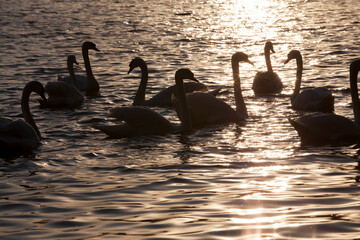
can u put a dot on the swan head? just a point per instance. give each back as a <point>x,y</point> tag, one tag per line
<point>241,57</point>
<point>185,73</point>
<point>136,62</point>
<point>90,45</point>
<point>269,46</point>
<point>72,59</point>
<point>293,54</point>
<point>37,87</point>
<point>355,66</point>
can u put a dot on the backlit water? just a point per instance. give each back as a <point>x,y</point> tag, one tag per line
<point>253,181</point>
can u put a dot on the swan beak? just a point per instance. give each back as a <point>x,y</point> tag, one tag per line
<point>130,70</point>
<point>287,60</point>
<point>272,50</point>
<point>194,79</point>
<point>96,49</point>
<point>248,61</point>
<point>76,62</point>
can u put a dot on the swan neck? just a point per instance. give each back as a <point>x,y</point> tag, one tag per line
<point>92,84</point>
<point>239,100</point>
<point>72,74</point>
<point>185,117</point>
<point>140,94</point>
<point>267,59</point>
<point>26,109</point>
<point>89,73</point>
<point>299,70</point>
<point>355,94</point>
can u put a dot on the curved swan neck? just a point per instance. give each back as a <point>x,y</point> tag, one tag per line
<point>70,66</point>
<point>354,92</point>
<point>299,70</point>
<point>185,117</point>
<point>239,100</point>
<point>26,109</point>
<point>267,58</point>
<point>93,85</point>
<point>140,94</point>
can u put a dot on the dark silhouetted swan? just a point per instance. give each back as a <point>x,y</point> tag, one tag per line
<point>19,137</point>
<point>86,83</point>
<point>312,99</point>
<point>144,121</point>
<point>205,109</point>
<point>163,98</point>
<point>329,128</point>
<point>62,94</point>
<point>269,81</point>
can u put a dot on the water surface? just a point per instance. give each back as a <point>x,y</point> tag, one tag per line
<point>253,181</point>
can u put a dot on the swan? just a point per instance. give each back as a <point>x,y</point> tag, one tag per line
<point>18,137</point>
<point>269,81</point>
<point>312,99</point>
<point>163,98</point>
<point>330,128</point>
<point>86,83</point>
<point>140,120</point>
<point>62,94</point>
<point>206,109</point>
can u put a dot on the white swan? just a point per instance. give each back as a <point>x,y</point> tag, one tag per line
<point>312,99</point>
<point>206,109</point>
<point>269,81</point>
<point>163,98</point>
<point>86,83</point>
<point>330,128</point>
<point>61,94</point>
<point>16,136</point>
<point>144,121</point>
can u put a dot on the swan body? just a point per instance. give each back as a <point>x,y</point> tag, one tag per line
<point>206,109</point>
<point>163,98</point>
<point>86,83</point>
<point>314,99</point>
<point>139,120</point>
<point>18,137</point>
<point>62,94</point>
<point>330,128</point>
<point>267,82</point>
<point>311,99</point>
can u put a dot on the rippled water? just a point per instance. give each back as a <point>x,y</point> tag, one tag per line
<point>253,181</point>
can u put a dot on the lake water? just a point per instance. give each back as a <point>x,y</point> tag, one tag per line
<point>253,181</point>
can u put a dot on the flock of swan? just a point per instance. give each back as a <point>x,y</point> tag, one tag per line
<point>194,104</point>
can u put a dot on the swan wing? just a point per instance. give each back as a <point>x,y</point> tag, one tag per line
<point>163,98</point>
<point>17,137</point>
<point>267,82</point>
<point>326,128</point>
<point>116,131</point>
<point>141,117</point>
<point>62,94</point>
<point>206,109</point>
<point>81,81</point>
<point>314,99</point>
<point>138,121</point>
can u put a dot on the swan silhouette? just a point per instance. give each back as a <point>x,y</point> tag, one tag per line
<point>86,83</point>
<point>163,98</point>
<point>269,81</point>
<point>61,94</point>
<point>140,120</point>
<point>18,137</point>
<point>330,128</point>
<point>205,109</point>
<point>312,99</point>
